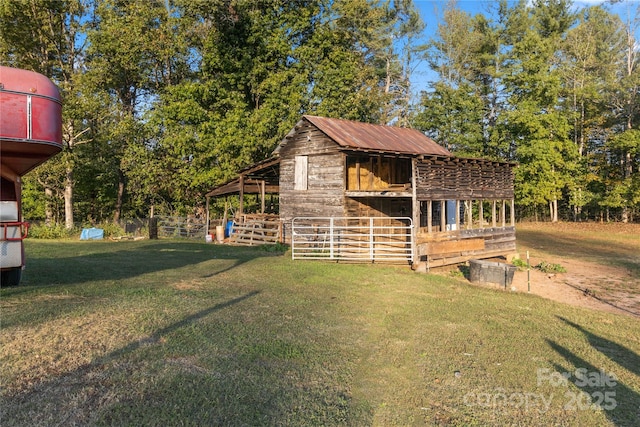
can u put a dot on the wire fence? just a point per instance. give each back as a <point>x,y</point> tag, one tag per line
<point>184,227</point>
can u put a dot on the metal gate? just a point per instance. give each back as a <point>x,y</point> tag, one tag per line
<point>364,239</point>
<point>175,226</point>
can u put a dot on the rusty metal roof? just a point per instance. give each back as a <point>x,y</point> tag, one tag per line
<point>366,136</point>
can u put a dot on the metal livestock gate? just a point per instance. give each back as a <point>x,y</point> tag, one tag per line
<point>370,239</point>
<point>176,226</point>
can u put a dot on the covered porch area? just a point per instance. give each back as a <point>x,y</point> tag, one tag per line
<point>246,208</point>
<point>464,209</point>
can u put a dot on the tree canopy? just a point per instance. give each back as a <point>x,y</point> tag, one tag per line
<point>165,99</point>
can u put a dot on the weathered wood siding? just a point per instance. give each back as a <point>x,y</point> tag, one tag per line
<point>324,194</point>
<point>438,249</point>
<point>463,179</point>
<point>378,207</point>
<point>377,173</point>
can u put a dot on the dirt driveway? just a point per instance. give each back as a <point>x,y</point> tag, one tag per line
<point>584,284</point>
<point>602,263</point>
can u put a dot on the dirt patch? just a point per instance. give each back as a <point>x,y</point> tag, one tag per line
<point>602,263</point>
<point>585,284</point>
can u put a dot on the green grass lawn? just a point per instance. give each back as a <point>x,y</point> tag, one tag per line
<point>188,333</point>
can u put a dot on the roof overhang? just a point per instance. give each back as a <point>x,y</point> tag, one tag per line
<point>255,179</point>
<point>472,160</point>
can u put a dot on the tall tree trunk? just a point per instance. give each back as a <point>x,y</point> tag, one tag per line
<point>48,210</point>
<point>120,197</point>
<point>68,198</point>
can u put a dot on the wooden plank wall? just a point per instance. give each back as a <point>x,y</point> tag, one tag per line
<point>438,249</point>
<point>462,179</point>
<point>377,173</point>
<point>324,196</point>
<point>378,207</point>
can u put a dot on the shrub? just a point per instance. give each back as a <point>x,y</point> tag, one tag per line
<point>57,231</point>
<point>520,263</point>
<point>276,248</point>
<point>111,230</point>
<point>546,267</point>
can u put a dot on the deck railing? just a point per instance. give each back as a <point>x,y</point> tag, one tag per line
<point>363,239</point>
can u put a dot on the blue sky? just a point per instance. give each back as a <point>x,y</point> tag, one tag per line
<point>431,12</point>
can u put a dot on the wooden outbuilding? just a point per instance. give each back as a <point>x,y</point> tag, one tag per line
<point>357,191</point>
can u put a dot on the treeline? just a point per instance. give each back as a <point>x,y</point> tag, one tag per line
<point>165,99</point>
<point>555,91</point>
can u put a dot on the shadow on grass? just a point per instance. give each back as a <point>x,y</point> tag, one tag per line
<point>620,403</point>
<point>149,382</point>
<point>122,261</point>
<point>614,351</point>
<point>156,336</point>
<point>63,277</point>
<point>17,406</point>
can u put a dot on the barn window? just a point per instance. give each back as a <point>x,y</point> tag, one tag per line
<point>377,173</point>
<point>301,173</point>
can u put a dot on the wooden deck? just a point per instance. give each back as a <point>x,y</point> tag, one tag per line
<point>453,247</point>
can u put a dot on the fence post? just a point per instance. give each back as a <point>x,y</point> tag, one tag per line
<point>153,227</point>
<point>293,238</point>
<point>331,238</point>
<point>371,252</point>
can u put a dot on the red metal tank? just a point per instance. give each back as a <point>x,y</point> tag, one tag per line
<point>30,120</point>
<point>30,133</point>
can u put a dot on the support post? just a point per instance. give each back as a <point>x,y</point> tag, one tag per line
<point>494,219</point>
<point>207,220</point>
<point>415,207</point>
<point>513,213</point>
<point>241,203</point>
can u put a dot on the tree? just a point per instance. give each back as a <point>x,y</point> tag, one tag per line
<point>539,128</point>
<point>137,49</point>
<point>47,37</point>
<point>591,56</point>
<point>398,56</point>
<point>463,108</point>
<point>624,99</point>
<point>261,65</point>
<point>453,117</point>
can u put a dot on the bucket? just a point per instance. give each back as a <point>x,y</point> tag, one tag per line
<point>219,233</point>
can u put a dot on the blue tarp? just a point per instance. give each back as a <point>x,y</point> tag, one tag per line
<point>92,234</point>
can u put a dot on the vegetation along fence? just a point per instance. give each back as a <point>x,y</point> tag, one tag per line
<point>187,227</point>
